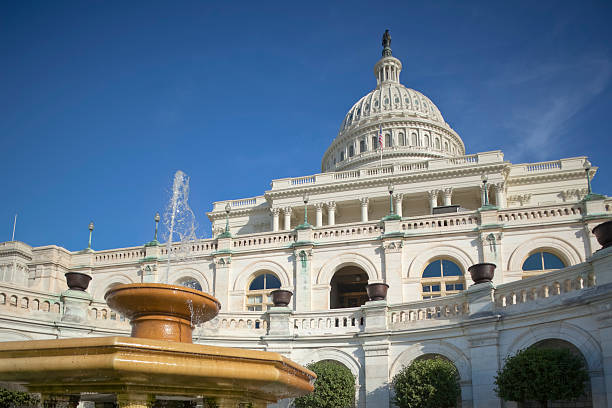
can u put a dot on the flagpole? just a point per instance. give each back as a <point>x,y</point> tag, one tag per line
<point>14,223</point>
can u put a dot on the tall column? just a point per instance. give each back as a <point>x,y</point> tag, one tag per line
<point>319,212</point>
<point>500,194</point>
<point>433,199</point>
<point>364,209</point>
<point>482,193</point>
<point>397,198</point>
<point>448,194</point>
<point>331,213</point>
<point>287,213</point>
<point>275,218</point>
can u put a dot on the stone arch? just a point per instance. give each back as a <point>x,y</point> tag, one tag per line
<point>567,252</point>
<point>462,258</point>
<point>241,281</point>
<point>342,357</point>
<point>454,354</point>
<point>100,290</point>
<point>181,274</point>
<point>327,271</point>
<point>580,338</point>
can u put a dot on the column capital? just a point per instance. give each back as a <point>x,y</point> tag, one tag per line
<point>331,205</point>
<point>287,210</point>
<point>499,186</point>
<point>448,191</point>
<point>364,201</point>
<point>275,210</point>
<point>433,194</point>
<point>319,206</point>
<point>398,196</point>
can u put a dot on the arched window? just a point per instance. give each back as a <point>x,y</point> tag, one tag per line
<point>190,283</point>
<point>388,140</point>
<point>541,261</point>
<point>341,156</point>
<point>415,139</point>
<point>258,296</point>
<point>437,143</point>
<point>446,146</point>
<point>351,151</point>
<point>402,139</point>
<point>426,141</point>
<point>374,142</point>
<point>442,277</point>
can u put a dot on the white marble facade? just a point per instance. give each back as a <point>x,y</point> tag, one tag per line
<point>528,209</point>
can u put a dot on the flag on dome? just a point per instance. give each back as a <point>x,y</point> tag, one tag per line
<point>380,138</point>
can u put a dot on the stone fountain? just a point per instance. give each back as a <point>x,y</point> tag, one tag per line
<point>158,362</point>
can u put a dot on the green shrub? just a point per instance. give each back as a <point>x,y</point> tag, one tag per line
<point>333,388</point>
<point>10,398</point>
<point>431,383</point>
<point>541,374</point>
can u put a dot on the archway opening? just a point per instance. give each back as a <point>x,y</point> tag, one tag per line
<point>584,401</point>
<point>348,288</point>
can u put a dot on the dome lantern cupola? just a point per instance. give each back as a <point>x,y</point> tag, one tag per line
<point>413,127</point>
<point>388,68</point>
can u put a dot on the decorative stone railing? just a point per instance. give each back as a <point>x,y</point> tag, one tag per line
<point>18,301</point>
<point>552,213</point>
<point>464,220</point>
<point>333,321</point>
<point>448,307</point>
<point>574,163</point>
<point>348,231</point>
<point>550,284</point>
<point>100,313</point>
<point>199,247</point>
<point>264,240</point>
<point>239,323</point>
<point>342,176</point>
<point>242,203</point>
<point>119,255</point>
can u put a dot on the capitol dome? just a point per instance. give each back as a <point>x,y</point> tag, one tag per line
<point>412,126</point>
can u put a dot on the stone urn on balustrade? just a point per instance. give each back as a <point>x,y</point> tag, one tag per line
<point>281,297</point>
<point>482,272</point>
<point>77,280</point>
<point>603,233</point>
<point>377,291</point>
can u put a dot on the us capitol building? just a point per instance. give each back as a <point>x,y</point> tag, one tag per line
<point>414,214</point>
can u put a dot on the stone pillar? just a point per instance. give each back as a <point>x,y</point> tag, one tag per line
<point>302,277</point>
<point>484,340</point>
<point>223,269</point>
<point>287,213</point>
<point>135,400</point>
<point>433,199</point>
<point>319,217</point>
<point>392,271</point>
<point>500,194</point>
<point>76,305</point>
<point>331,213</point>
<point>279,321</point>
<point>364,209</point>
<point>376,373</point>
<point>275,218</point>
<point>397,198</point>
<point>448,194</point>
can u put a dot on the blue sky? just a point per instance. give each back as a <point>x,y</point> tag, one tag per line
<point>102,101</point>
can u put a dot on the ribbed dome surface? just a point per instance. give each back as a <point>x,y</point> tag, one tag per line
<point>391,98</point>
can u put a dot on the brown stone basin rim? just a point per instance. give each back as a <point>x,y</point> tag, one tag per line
<point>160,311</point>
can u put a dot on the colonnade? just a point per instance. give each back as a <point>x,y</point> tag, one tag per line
<point>436,197</point>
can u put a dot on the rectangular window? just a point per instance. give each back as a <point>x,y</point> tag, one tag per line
<point>362,146</point>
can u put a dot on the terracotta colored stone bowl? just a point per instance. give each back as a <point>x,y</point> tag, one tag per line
<point>482,272</point>
<point>281,297</point>
<point>77,280</point>
<point>162,312</point>
<point>603,233</point>
<point>377,291</point>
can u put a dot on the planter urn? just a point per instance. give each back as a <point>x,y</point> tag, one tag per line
<point>603,233</point>
<point>482,272</point>
<point>377,291</point>
<point>281,297</point>
<point>77,280</point>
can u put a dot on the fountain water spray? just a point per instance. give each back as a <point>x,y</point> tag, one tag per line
<point>179,221</point>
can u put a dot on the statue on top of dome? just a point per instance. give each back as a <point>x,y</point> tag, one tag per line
<point>386,43</point>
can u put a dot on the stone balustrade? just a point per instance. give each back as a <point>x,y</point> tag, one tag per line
<point>20,301</point>
<point>552,213</point>
<point>428,223</point>
<point>119,255</point>
<point>352,231</point>
<point>264,240</point>
<point>241,323</point>
<point>333,321</point>
<point>449,307</point>
<point>575,163</point>
<point>241,203</point>
<point>574,278</point>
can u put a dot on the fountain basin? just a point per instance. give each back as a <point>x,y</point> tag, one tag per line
<point>119,365</point>
<point>162,312</point>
